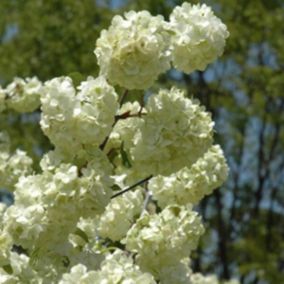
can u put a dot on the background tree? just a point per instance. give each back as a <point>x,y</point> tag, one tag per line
<point>244,91</point>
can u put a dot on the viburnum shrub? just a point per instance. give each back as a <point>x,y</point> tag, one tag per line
<point>114,200</point>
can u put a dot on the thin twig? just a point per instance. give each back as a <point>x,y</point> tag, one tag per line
<point>123,97</point>
<point>132,186</point>
<point>125,115</point>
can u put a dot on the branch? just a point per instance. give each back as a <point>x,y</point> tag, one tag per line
<point>125,115</point>
<point>123,97</point>
<point>131,187</point>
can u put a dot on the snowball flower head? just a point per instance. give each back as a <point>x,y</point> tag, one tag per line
<point>134,50</point>
<point>42,201</point>
<point>12,167</point>
<point>78,274</point>
<point>78,119</point>
<point>120,214</point>
<point>197,278</point>
<point>116,268</point>
<point>190,185</point>
<point>199,37</point>
<point>178,273</point>
<point>23,95</point>
<point>175,132</point>
<point>164,239</point>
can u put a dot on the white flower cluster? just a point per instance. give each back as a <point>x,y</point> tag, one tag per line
<point>199,37</point>
<point>133,51</point>
<point>82,119</point>
<point>65,225</point>
<point>164,239</point>
<point>138,48</point>
<point>190,185</point>
<point>120,214</point>
<point>48,206</point>
<point>22,271</point>
<point>12,165</point>
<point>23,95</point>
<point>115,269</point>
<point>198,278</point>
<point>179,273</point>
<point>175,132</point>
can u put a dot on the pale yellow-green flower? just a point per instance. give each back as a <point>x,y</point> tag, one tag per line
<point>178,273</point>
<point>117,268</point>
<point>190,185</point>
<point>120,214</point>
<point>133,52</point>
<point>175,132</point>
<point>197,278</point>
<point>198,37</point>
<point>163,239</point>
<point>77,122</point>
<point>23,95</point>
<point>49,205</point>
<point>12,167</point>
<point>63,226</point>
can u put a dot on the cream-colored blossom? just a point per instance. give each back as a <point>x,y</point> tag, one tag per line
<point>12,167</point>
<point>133,52</point>
<point>63,225</point>
<point>22,270</point>
<point>23,95</point>
<point>77,122</point>
<point>232,281</point>
<point>178,273</point>
<point>175,132</point>
<point>78,274</point>
<point>197,278</point>
<point>48,206</point>
<point>117,268</point>
<point>120,214</point>
<point>6,278</point>
<point>190,185</point>
<point>163,239</point>
<point>198,37</point>
<point>94,115</point>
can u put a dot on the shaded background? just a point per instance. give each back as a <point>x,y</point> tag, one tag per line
<point>244,90</point>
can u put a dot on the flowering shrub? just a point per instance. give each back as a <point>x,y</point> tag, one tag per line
<point>113,201</point>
